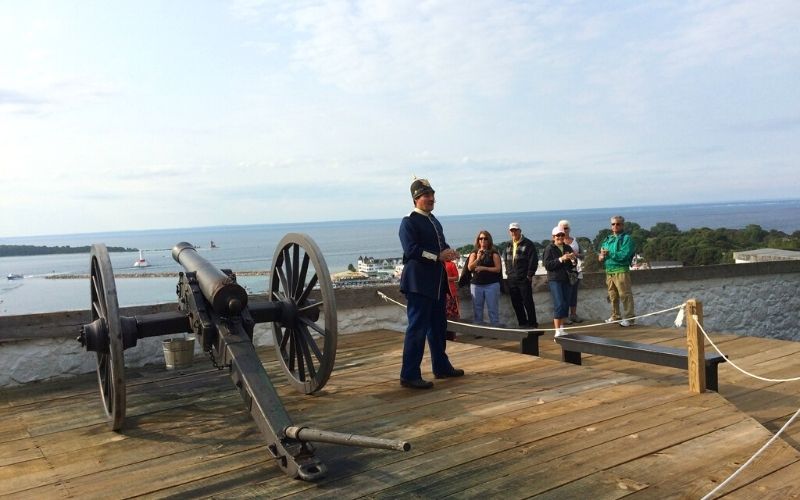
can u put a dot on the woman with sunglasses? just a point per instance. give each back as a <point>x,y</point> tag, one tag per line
<point>484,263</point>
<point>559,260</point>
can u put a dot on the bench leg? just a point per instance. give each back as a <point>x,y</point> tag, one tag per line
<point>573,357</point>
<point>529,345</point>
<point>712,383</point>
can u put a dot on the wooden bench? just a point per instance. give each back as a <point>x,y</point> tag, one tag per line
<point>573,345</point>
<point>528,339</point>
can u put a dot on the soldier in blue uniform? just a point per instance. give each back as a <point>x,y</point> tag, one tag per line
<point>424,283</point>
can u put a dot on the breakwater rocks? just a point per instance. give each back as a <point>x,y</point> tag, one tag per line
<point>83,276</point>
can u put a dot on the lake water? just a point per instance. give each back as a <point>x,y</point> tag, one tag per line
<point>250,248</point>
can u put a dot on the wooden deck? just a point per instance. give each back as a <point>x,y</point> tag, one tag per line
<point>516,426</point>
<point>770,403</point>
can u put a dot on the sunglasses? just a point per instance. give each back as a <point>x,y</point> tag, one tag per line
<point>483,238</point>
<point>559,235</point>
<point>616,223</point>
<point>565,228</point>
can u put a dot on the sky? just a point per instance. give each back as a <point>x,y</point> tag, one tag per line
<point>125,115</point>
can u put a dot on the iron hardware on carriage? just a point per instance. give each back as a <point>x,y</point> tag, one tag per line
<point>213,306</point>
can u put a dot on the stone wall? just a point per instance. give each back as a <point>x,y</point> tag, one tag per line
<point>758,299</point>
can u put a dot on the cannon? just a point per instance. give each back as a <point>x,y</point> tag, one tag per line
<point>211,304</point>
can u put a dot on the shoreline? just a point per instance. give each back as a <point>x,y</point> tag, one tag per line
<point>75,276</point>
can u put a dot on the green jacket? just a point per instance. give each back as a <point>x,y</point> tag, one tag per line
<point>621,250</point>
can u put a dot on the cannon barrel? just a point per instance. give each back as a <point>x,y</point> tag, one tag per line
<point>320,436</point>
<point>222,292</point>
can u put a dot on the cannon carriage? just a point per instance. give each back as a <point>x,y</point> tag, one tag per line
<point>217,310</point>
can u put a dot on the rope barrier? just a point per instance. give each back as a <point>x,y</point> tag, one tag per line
<point>794,379</point>
<point>755,455</point>
<point>489,327</point>
<point>772,439</point>
<point>680,306</point>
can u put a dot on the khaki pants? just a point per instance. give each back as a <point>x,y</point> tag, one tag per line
<point>619,288</point>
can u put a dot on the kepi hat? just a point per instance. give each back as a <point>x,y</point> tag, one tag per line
<point>420,187</point>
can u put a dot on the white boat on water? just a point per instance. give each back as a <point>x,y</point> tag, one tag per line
<point>13,276</point>
<point>141,261</point>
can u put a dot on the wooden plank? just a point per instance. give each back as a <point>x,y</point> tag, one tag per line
<point>521,443</point>
<point>674,469</point>
<point>480,425</point>
<point>782,483</point>
<point>580,462</point>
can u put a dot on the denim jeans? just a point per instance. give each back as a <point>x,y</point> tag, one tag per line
<point>560,291</point>
<point>573,294</point>
<point>489,294</point>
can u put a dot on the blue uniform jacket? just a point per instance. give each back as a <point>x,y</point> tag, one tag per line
<point>423,240</point>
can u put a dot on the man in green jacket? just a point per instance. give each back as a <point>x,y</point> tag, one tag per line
<point>616,254</point>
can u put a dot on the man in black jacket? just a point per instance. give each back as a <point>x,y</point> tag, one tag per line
<point>521,260</point>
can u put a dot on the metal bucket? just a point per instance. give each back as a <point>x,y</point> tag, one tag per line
<point>178,353</point>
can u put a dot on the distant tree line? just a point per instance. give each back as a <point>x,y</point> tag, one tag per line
<point>23,250</point>
<point>695,247</point>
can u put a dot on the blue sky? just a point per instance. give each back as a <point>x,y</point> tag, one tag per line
<point>138,115</point>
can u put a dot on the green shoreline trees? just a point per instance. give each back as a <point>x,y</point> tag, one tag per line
<point>24,250</point>
<point>695,247</point>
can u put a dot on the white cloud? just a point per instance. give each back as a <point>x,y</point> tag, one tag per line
<point>714,32</point>
<point>422,51</point>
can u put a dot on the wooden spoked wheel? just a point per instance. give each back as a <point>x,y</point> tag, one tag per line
<point>110,359</point>
<point>306,334</point>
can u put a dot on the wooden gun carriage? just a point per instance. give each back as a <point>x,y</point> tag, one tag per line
<point>213,306</point>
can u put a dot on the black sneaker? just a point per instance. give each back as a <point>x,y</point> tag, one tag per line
<point>455,372</point>
<point>416,384</point>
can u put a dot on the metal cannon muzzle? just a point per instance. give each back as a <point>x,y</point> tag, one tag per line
<point>226,297</point>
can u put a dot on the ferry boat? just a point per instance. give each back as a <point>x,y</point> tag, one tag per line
<point>141,261</point>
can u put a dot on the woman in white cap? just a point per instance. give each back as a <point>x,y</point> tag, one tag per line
<point>573,294</point>
<point>559,260</point>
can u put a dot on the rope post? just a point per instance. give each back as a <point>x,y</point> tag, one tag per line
<point>695,347</point>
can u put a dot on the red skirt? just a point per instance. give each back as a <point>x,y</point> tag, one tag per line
<point>452,308</point>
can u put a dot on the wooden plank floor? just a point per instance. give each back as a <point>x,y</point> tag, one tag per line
<point>516,426</point>
<point>770,403</point>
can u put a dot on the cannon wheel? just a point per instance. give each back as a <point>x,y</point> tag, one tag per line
<point>111,363</point>
<point>306,335</point>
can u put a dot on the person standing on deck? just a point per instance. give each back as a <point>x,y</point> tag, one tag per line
<point>573,293</point>
<point>559,260</point>
<point>424,283</point>
<point>522,260</point>
<point>486,268</point>
<point>452,307</point>
<point>616,254</point>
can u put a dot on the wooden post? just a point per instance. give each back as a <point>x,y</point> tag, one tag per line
<point>695,343</point>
